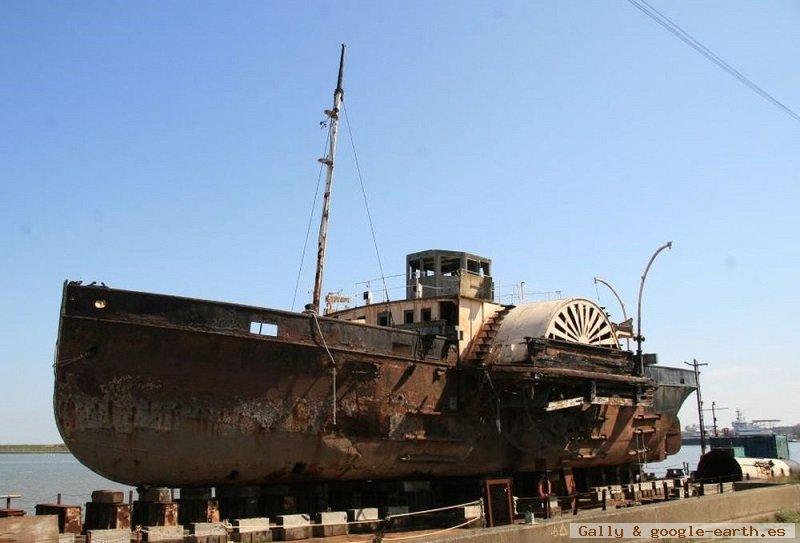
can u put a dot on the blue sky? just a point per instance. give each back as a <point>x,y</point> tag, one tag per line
<point>171,147</point>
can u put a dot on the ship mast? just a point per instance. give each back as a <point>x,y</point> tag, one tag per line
<point>333,116</point>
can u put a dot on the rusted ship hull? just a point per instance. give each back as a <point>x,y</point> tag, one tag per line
<point>160,390</point>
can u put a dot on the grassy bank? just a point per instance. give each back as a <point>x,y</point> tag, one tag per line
<point>33,449</point>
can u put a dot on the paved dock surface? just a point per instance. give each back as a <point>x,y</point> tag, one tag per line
<point>756,505</point>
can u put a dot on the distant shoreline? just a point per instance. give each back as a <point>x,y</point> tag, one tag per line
<point>33,449</point>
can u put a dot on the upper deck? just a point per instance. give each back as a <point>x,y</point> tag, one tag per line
<point>437,272</point>
<point>451,294</point>
<point>448,293</point>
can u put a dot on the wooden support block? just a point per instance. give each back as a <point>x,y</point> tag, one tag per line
<point>108,536</point>
<point>262,536</point>
<point>194,538</point>
<point>108,496</point>
<point>207,528</point>
<point>156,495</point>
<point>331,517</point>
<point>288,521</point>
<point>107,516</point>
<point>470,511</point>
<point>292,527</point>
<point>155,513</point>
<point>162,534</point>
<point>367,517</point>
<point>197,510</point>
<point>5,513</point>
<point>257,524</point>
<point>69,516</point>
<point>251,530</point>
<point>330,523</point>
<point>37,529</point>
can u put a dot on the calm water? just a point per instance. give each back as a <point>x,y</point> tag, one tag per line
<point>691,454</point>
<point>39,477</point>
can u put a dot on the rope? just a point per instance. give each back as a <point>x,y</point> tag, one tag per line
<point>417,536</point>
<point>310,220</point>
<point>498,422</point>
<point>366,204</point>
<point>333,362</point>
<point>379,536</point>
<point>398,515</point>
<point>368,521</point>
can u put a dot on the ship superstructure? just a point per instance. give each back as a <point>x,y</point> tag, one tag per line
<point>757,427</point>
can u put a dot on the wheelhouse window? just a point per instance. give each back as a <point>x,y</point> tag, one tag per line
<point>425,314</point>
<point>408,316</point>
<point>384,318</point>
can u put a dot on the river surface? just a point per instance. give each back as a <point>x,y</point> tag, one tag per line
<point>691,454</point>
<point>39,477</point>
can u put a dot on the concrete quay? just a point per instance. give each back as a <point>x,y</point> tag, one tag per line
<point>757,504</point>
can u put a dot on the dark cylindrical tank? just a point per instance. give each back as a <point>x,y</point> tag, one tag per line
<point>719,465</point>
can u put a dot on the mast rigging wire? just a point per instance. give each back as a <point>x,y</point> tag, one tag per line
<point>366,203</point>
<point>310,220</point>
<point>689,40</point>
<point>333,364</point>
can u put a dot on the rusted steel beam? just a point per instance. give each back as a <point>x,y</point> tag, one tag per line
<point>539,345</point>
<point>576,374</point>
<point>564,404</point>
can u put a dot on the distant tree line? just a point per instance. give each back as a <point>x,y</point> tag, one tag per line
<point>789,430</point>
<point>39,449</point>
